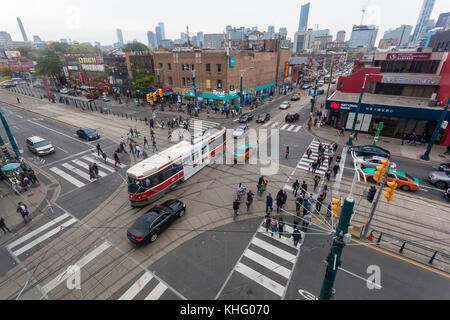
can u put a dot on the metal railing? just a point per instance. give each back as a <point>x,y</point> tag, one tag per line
<point>404,246</point>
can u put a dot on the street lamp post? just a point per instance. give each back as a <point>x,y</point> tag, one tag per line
<point>426,155</point>
<point>331,75</point>
<point>313,100</point>
<point>350,140</point>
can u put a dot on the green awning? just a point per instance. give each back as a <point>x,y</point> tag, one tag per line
<point>220,97</point>
<point>265,86</point>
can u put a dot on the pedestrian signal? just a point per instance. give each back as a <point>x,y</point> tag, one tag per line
<point>148,97</point>
<point>372,193</point>
<point>389,195</point>
<point>336,206</point>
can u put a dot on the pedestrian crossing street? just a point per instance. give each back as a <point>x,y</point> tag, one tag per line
<point>304,162</point>
<point>76,171</point>
<point>145,287</point>
<point>269,261</point>
<point>286,127</point>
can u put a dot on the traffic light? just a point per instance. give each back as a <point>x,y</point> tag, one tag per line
<point>391,190</point>
<point>154,96</point>
<point>148,97</point>
<point>251,91</point>
<point>372,193</point>
<point>336,207</point>
<point>184,92</point>
<point>379,173</point>
<point>299,94</point>
<point>160,93</point>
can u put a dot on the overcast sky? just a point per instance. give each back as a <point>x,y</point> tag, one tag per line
<point>90,20</point>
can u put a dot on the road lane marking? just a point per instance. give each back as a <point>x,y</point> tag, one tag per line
<point>107,160</point>
<point>156,292</point>
<point>62,150</point>
<point>267,263</point>
<point>81,263</point>
<point>56,131</point>
<point>272,249</point>
<point>298,129</point>
<point>260,279</point>
<point>274,125</point>
<point>290,128</point>
<point>99,163</point>
<point>37,231</point>
<point>283,240</point>
<point>267,123</point>
<point>44,237</point>
<point>77,171</point>
<point>137,287</point>
<point>284,127</point>
<point>67,177</point>
<point>86,165</point>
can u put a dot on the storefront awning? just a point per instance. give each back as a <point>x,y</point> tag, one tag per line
<point>265,86</point>
<point>220,97</point>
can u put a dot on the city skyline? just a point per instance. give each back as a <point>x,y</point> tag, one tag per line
<point>81,27</point>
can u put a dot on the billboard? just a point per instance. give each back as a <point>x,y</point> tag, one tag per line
<point>12,54</point>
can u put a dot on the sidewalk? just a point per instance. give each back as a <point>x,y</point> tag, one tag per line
<point>392,144</point>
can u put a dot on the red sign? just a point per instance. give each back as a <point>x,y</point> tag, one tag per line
<point>334,105</point>
<point>286,69</point>
<point>408,56</point>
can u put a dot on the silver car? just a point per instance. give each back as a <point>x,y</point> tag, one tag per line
<point>285,105</point>
<point>39,146</point>
<point>373,162</point>
<point>439,179</point>
<point>240,132</point>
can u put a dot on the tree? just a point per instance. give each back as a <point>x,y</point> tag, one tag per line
<point>5,71</point>
<point>143,82</point>
<point>84,48</point>
<point>135,46</point>
<point>49,66</point>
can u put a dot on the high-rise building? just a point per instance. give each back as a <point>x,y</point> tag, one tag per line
<point>443,20</point>
<point>270,29</point>
<point>159,37</point>
<point>430,25</point>
<point>213,40</point>
<point>318,33</point>
<point>200,38</point>
<point>254,29</point>
<point>22,29</point>
<point>302,41</point>
<point>119,37</point>
<point>363,37</point>
<point>401,33</point>
<point>283,33</point>
<point>236,34</point>
<point>424,16</point>
<point>304,15</point>
<point>37,39</point>
<point>228,28</point>
<point>151,40</point>
<point>183,37</point>
<point>163,31</point>
<point>5,39</point>
<point>340,37</point>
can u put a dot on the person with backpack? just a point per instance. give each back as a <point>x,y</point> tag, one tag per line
<point>295,187</point>
<point>280,226</point>
<point>23,210</point>
<point>236,207</point>
<point>274,226</point>
<point>297,236</point>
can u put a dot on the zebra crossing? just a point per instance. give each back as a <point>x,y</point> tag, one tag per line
<point>286,127</point>
<point>305,161</point>
<point>76,171</point>
<point>269,261</point>
<point>202,125</point>
<point>146,287</point>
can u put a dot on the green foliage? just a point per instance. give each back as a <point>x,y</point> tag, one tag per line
<point>135,46</point>
<point>54,49</point>
<point>84,48</point>
<point>49,66</point>
<point>5,71</point>
<point>143,82</point>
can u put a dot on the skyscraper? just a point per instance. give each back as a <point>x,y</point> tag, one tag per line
<point>402,33</point>
<point>159,36</point>
<point>200,38</point>
<point>151,40</point>
<point>424,16</point>
<point>283,33</point>
<point>443,20</point>
<point>363,37</point>
<point>304,14</point>
<point>163,31</point>
<point>119,37</point>
<point>22,29</point>
<point>340,37</point>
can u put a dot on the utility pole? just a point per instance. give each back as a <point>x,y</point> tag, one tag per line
<point>374,207</point>
<point>426,155</point>
<point>350,140</point>
<point>11,138</point>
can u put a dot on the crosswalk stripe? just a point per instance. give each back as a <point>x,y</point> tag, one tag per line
<point>272,249</point>
<point>284,127</point>
<point>260,278</point>
<point>68,177</point>
<point>156,292</point>
<point>298,129</point>
<point>276,237</point>
<point>77,171</point>
<point>99,163</point>
<point>317,171</point>
<point>86,165</point>
<point>267,124</point>
<point>137,286</point>
<point>274,125</point>
<point>37,231</point>
<point>290,128</point>
<point>81,263</point>
<point>107,160</point>
<point>44,237</point>
<point>267,263</point>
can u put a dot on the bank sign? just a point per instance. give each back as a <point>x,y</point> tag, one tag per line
<point>408,56</point>
<point>389,111</point>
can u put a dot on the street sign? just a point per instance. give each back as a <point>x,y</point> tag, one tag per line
<point>314,94</point>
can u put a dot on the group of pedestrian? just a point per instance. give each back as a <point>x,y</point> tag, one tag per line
<point>413,138</point>
<point>278,226</point>
<point>93,171</point>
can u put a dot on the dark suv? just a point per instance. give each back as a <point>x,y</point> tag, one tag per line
<point>292,117</point>
<point>263,117</point>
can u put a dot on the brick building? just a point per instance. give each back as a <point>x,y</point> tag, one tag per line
<point>218,74</point>
<point>139,62</point>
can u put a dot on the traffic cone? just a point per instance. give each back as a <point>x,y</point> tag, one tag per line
<point>370,237</point>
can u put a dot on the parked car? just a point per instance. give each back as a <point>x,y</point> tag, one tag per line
<point>440,179</point>
<point>295,97</point>
<point>444,167</point>
<point>243,152</point>
<point>285,105</point>
<point>447,194</point>
<point>405,182</point>
<point>240,132</point>
<point>321,82</point>
<point>246,117</point>
<point>370,151</point>
<point>88,134</point>
<point>39,146</point>
<point>292,117</point>
<point>306,86</point>
<point>263,117</point>
<point>373,162</point>
<point>148,227</point>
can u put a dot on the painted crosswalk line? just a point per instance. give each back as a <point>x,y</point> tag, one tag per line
<point>67,177</point>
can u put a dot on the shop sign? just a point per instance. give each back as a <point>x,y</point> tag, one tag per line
<point>87,60</point>
<point>219,93</point>
<point>411,80</point>
<point>286,69</point>
<point>74,68</point>
<point>408,56</point>
<point>93,67</point>
<point>232,62</point>
<point>232,92</point>
<point>208,84</point>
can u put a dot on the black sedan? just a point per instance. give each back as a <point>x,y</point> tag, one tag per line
<point>148,227</point>
<point>292,117</point>
<point>88,134</point>
<point>370,151</point>
<point>263,117</point>
<point>246,117</point>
